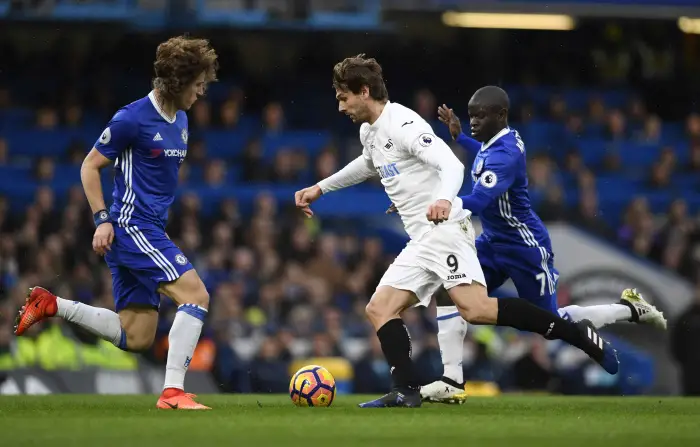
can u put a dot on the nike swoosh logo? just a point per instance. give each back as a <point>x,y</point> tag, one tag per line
<point>36,304</point>
<point>174,407</point>
<point>407,123</point>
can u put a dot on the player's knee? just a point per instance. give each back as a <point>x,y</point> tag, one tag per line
<point>386,304</point>
<point>473,304</point>
<point>201,297</point>
<point>139,342</point>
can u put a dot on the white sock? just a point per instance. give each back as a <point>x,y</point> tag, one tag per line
<point>182,340</point>
<point>600,315</point>
<point>99,321</point>
<point>451,332</point>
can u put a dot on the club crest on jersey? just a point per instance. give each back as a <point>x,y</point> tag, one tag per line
<point>425,139</point>
<point>479,167</point>
<point>180,259</point>
<point>489,179</point>
<point>106,136</point>
<point>389,145</point>
<point>184,136</point>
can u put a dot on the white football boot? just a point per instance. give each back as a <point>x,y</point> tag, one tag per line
<point>642,312</point>
<point>445,391</point>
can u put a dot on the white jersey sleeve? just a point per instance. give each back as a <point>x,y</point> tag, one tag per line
<point>417,139</point>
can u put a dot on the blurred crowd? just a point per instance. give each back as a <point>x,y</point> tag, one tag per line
<point>283,287</point>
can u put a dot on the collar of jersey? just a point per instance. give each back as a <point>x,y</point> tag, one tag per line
<point>376,124</point>
<point>500,134</point>
<point>152,97</point>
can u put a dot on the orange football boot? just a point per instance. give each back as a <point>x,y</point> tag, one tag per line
<point>175,399</point>
<point>39,305</point>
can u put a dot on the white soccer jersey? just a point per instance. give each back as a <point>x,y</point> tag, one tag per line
<point>407,155</point>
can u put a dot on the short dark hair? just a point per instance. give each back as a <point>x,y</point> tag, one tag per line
<point>180,60</point>
<point>359,71</point>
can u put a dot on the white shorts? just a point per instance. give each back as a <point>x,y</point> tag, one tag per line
<point>445,256</point>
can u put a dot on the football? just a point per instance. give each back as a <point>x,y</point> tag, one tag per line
<point>312,386</point>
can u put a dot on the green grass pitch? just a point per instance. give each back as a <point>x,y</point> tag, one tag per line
<point>259,421</point>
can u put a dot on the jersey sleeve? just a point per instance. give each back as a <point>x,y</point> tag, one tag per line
<point>470,144</point>
<point>499,173</point>
<point>422,143</point>
<point>120,133</point>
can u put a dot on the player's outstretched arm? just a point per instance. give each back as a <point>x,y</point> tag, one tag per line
<point>447,116</point>
<point>498,175</point>
<point>357,171</point>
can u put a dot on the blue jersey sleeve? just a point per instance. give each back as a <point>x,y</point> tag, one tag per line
<point>499,173</point>
<point>470,144</point>
<point>120,133</point>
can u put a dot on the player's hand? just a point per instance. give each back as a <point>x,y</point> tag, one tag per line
<point>447,116</point>
<point>439,211</point>
<point>103,238</point>
<point>304,198</point>
<point>391,209</point>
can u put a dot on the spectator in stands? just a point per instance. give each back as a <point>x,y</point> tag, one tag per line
<point>526,112</point>
<point>651,133</point>
<point>661,175</point>
<point>616,128</point>
<point>44,169</point>
<point>273,118</point>
<point>693,128</point>
<point>4,152</point>
<point>73,115</point>
<point>597,114</point>
<point>553,207</point>
<point>326,164</point>
<point>215,173</point>
<point>47,118</point>
<point>254,168</point>
<point>693,165</point>
<point>230,114</point>
<point>269,374</point>
<point>425,104</point>
<point>196,151</point>
<point>558,109</point>
<point>684,336</point>
<point>201,116</point>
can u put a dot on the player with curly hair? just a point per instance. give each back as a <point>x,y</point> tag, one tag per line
<point>146,141</point>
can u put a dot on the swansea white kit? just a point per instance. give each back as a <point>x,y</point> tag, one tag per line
<point>416,169</point>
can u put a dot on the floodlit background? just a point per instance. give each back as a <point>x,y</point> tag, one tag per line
<point>604,92</point>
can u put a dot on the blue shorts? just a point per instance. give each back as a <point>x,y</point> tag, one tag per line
<point>531,269</point>
<point>140,260</point>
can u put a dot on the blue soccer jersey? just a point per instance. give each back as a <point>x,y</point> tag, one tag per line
<point>514,243</point>
<point>499,172</point>
<point>148,148</point>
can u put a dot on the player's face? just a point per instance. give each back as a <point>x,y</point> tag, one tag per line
<point>353,105</point>
<point>484,123</point>
<point>191,93</point>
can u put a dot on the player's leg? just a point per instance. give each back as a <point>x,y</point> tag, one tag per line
<point>192,299</point>
<point>632,307</point>
<point>403,285</point>
<point>470,295</point>
<point>41,304</point>
<point>129,329</point>
<point>452,329</point>
<point>161,267</point>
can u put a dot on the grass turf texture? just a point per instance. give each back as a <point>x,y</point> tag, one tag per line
<point>246,420</point>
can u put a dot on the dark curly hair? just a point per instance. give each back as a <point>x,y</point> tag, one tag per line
<point>353,73</point>
<point>180,60</point>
